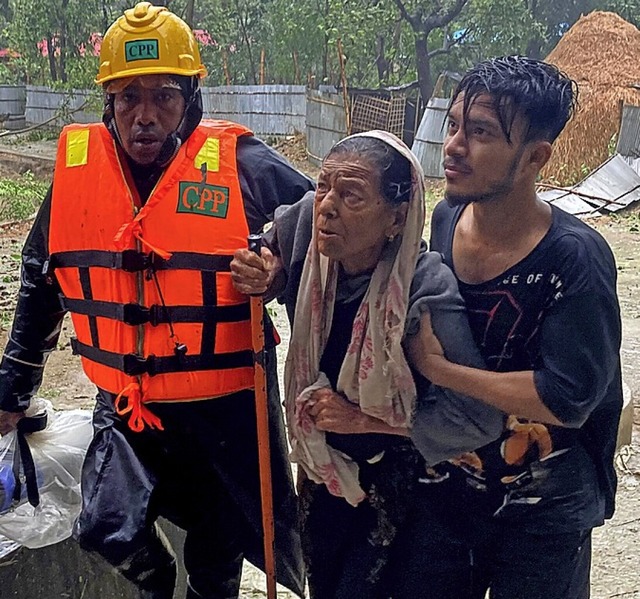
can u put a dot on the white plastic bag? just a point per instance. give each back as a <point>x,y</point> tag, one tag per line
<point>7,547</point>
<point>58,452</point>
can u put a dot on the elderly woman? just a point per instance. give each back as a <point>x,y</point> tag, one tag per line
<point>351,268</point>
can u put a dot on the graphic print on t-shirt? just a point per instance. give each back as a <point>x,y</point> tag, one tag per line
<point>505,316</point>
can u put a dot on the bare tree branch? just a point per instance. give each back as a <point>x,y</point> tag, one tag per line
<point>439,52</point>
<point>437,20</point>
<point>448,44</point>
<point>426,18</point>
<point>413,21</point>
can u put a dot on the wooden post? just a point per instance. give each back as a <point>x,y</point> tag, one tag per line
<point>296,68</point>
<point>262,420</point>
<point>345,93</point>
<point>225,66</point>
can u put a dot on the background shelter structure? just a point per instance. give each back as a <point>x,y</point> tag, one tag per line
<point>601,52</point>
<point>333,114</point>
<point>394,109</point>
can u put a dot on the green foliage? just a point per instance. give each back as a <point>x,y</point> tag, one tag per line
<point>489,35</point>
<point>20,198</point>
<point>627,9</point>
<point>9,74</point>
<point>380,38</point>
<point>64,27</point>
<point>298,32</point>
<point>238,29</point>
<point>6,318</point>
<point>362,26</point>
<point>39,134</point>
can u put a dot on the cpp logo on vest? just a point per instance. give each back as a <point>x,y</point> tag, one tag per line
<point>141,50</point>
<point>198,198</point>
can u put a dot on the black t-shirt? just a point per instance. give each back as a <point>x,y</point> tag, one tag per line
<point>556,313</point>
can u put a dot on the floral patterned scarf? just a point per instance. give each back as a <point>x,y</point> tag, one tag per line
<point>374,374</point>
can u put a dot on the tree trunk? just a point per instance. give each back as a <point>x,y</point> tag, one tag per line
<point>52,59</point>
<point>382,63</point>
<point>534,48</point>
<point>247,42</point>
<point>63,62</point>
<point>105,17</point>
<point>188,17</point>
<point>325,47</point>
<point>63,43</point>
<point>5,10</point>
<point>423,66</point>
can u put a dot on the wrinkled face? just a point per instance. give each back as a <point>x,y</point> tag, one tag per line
<point>479,163</point>
<point>145,114</point>
<point>352,219</point>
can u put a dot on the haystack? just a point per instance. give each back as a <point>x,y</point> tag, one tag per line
<point>602,53</point>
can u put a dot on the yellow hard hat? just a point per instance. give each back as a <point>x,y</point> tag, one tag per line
<point>149,40</point>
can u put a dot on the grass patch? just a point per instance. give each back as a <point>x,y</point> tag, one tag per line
<point>34,136</point>
<point>21,196</point>
<point>628,219</point>
<point>42,134</point>
<point>6,319</point>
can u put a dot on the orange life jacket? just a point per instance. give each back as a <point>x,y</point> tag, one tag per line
<point>149,289</point>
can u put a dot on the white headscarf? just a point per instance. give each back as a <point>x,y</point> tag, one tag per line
<point>374,374</point>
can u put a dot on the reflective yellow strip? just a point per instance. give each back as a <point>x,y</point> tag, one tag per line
<point>77,147</point>
<point>209,153</point>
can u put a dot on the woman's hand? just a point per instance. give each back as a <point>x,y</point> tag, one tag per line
<point>252,274</point>
<point>425,351</point>
<point>333,413</point>
<point>9,421</point>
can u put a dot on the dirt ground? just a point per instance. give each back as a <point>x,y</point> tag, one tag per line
<point>616,563</point>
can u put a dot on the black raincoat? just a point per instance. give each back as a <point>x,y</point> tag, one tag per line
<point>201,472</point>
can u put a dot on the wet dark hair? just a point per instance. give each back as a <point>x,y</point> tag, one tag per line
<point>540,92</point>
<point>394,168</point>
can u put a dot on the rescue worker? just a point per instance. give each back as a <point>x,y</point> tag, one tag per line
<point>135,239</point>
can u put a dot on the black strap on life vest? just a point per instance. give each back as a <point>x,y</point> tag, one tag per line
<point>22,457</point>
<point>134,261</point>
<point>135,365</point>
<point>210,297</point>
<point>134,314</point>
<point>87,292</point>
<point>209,314</point>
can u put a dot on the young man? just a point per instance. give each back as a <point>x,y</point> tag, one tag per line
<point>516,516</point>
<point>136,236</point>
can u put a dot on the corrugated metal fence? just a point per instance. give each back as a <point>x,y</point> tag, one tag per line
<point>427,145</point>
<point>268,110</point>
<point>13,99</point>
<point>265,109</point>
<point>326,123</point>
<point>45,105</point>
<point>629,138</point>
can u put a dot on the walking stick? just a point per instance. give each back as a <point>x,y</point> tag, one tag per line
<point>262,418</point>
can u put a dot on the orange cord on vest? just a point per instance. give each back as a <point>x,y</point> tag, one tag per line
<point>129,400</point>
<point>124,237</point>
